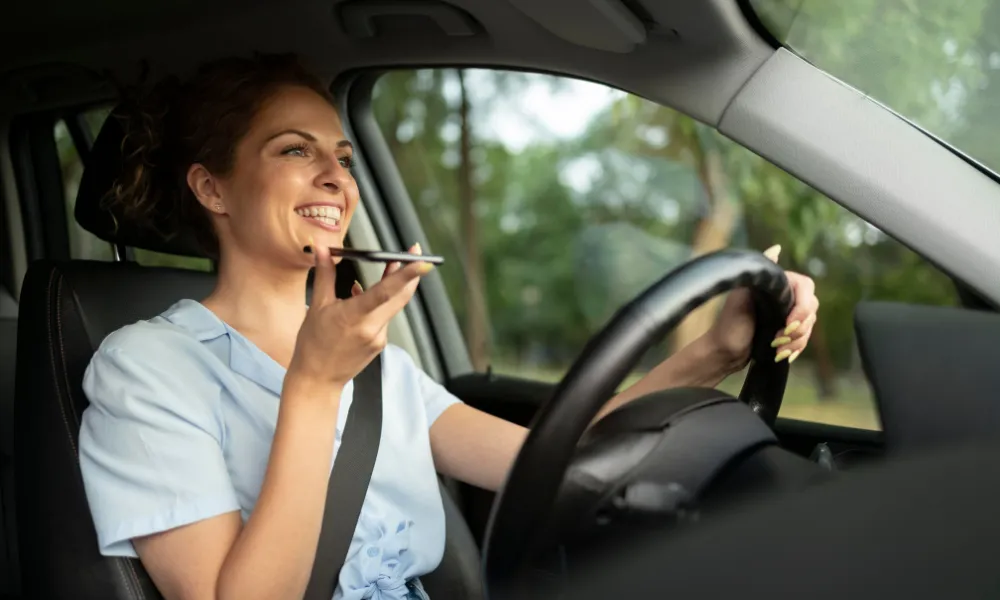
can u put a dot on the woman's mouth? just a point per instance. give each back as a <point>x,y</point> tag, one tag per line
<point>325,215</point>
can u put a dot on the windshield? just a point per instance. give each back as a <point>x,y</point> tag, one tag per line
<point>936,63</point>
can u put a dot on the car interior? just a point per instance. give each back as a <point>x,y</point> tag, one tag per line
<point>676,485</point>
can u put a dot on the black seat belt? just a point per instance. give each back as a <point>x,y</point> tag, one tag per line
<point>349,479</point>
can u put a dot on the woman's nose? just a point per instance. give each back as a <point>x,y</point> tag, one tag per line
<point>336,177</point>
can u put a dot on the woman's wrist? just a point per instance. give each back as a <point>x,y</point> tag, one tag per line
<point>712,361</point>
<point>702,363</point>
<point>299,387</point>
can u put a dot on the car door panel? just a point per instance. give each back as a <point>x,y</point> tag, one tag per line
<point>934,372</point>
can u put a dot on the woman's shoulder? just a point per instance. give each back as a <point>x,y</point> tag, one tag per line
<point>183,327</point>
<point>149,357</point>
<point>406,380</point>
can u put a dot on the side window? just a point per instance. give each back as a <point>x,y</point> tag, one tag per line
<point>556,201</point>
<point>84,244</point>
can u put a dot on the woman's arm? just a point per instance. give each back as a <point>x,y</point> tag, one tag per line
<point>478,448</point>
<point>271,556</point>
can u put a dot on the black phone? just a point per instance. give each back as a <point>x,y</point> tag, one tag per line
<point>382,256</point>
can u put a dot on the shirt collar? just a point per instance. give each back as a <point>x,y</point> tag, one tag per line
<point>245,358</point>
<point>196,319</point>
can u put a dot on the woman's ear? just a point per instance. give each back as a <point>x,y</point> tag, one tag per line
<point>205,188</point>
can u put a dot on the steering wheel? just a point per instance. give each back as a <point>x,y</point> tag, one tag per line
<point>523,504</point>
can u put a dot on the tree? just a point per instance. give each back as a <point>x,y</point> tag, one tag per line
<point>477,316</point>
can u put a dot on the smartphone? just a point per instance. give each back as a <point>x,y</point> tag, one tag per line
<point>382,256</point>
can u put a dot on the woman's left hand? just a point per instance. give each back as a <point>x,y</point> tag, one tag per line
<point>732,333</point>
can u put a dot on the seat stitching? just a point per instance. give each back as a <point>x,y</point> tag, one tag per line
<point>128,584</point>
<point>52,358</point>
<point>135,577</point>
<point>62,352</point>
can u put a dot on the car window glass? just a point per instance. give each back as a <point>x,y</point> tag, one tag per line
<point>83,244</point>
<point>555,201</point>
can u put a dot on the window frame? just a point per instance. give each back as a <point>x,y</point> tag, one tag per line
<point>39,184</point>
<point>431,314</point>
<point>37,180</point>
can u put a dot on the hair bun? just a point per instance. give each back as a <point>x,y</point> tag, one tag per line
<point>145,113</point>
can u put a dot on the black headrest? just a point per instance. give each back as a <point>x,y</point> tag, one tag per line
<point>103,166</point>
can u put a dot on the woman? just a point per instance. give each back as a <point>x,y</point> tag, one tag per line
<point>206,448</point>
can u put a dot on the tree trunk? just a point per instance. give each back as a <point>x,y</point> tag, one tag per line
<point>826,375</point>
<point>713,233</point>
<point>476,315</point>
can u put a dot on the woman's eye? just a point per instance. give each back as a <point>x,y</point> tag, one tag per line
<point>346,161</point>
<point>298,150</point>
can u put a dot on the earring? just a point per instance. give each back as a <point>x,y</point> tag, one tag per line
<point>218,207</point>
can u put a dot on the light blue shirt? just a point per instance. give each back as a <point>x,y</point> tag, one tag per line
<point>182,412</point>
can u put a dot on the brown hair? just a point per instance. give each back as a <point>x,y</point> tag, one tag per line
<point>174,124</point>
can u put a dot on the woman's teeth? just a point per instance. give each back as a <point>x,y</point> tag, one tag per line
<point>324,214</point>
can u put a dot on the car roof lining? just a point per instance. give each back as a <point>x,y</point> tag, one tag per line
<point>694,54</point>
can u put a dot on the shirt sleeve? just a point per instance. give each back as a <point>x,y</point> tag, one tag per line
<point>436,399</point>
<point>151,443</point>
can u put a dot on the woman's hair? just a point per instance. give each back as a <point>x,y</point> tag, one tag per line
<point>174,124</point>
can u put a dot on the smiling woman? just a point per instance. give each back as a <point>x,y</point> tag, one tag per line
<point>212,457</point>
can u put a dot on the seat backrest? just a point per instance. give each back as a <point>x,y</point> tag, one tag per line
<point>67,308</point>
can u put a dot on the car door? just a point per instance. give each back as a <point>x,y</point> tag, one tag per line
<point>556,200</point>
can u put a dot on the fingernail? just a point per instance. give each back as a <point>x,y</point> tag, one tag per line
<point>416,249</point>
<point>782,355</point>
<point>425,268</point>
<point>780,341</point>
<point>794,355</point>
<point>773,252</point>
<point>357,284</point>
<point>792,327</point>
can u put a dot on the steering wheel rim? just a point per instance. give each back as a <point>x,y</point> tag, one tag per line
<point>522,504</point>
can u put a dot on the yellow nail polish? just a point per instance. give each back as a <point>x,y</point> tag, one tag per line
<point>794,325</point>
<point>358,284</point>
<point>794,355</point>
<point>416,249</point>
<point>773,252</point>
<point>782,355</point>
<point>780,341</point>
<point>425,268</point>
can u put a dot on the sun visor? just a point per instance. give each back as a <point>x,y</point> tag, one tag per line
<point>372,18</point>
<point>606,25</point>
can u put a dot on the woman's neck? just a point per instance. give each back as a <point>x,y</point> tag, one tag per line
<point>255,298</point>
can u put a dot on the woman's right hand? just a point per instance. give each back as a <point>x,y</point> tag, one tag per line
<point>338,338</point>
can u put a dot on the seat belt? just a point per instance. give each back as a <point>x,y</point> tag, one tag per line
<point>349,479</point>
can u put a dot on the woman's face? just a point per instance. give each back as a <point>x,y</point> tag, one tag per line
<point>291,183</point>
